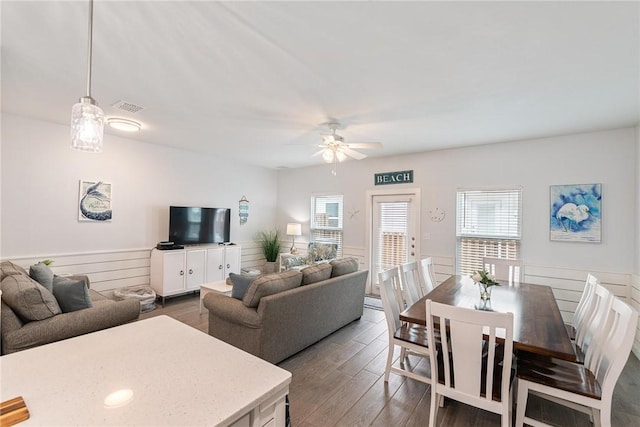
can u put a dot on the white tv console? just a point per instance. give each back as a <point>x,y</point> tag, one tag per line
<point>179,271</point>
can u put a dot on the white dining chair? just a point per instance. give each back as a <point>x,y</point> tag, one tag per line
<point>587,388</point>
<point>407,336</point>
<point>410,278</point>
<point>591,331</point>
<point>478,372</point>
<point>581,313</point>
<point>510,270</point>
<point>428,276</point>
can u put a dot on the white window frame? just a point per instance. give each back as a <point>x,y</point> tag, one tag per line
<point>477,235</point>
<point>329,230</point>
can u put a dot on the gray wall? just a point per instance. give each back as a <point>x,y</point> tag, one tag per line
<point>607,157</point>
<point>40,182</point>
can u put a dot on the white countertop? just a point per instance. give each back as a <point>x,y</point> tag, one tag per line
<point>178,376</point>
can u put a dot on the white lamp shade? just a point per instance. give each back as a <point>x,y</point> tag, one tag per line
<point>341,156</point>
<point>87,126</point>
<point>294,229</point>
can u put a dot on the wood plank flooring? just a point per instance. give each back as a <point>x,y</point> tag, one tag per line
<point>339,381</point>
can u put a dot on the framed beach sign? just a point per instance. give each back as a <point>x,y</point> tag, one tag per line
<point>94,201</point>
<point>575,213</point>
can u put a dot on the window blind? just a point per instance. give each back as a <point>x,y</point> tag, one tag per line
<point>392,234</point>
<point>488,224</point>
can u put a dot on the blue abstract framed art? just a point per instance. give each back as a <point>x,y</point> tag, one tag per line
<point>575,213</point>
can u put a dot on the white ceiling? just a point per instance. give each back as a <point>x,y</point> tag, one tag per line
<point>257,80</point>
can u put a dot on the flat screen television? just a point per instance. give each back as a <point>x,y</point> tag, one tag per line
<point>193,225</point>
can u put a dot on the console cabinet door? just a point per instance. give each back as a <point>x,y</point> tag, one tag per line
<point>195,274</point>
<point>173,272</point>
<point>232,260</point>
<point>215,264</point>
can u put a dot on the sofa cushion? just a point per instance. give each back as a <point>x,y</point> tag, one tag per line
<point>343,266</point>
<point>42,274</point>
<point>72,295</point>
<point>7,268</point>
<point>28,298</point>
<point>316,273</point>
<point>270,284</point>
<point>240,283</point>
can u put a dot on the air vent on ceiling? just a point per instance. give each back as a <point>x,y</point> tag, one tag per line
<point>127,106</point>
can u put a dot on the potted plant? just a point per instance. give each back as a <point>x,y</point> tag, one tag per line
<point>270,243</point>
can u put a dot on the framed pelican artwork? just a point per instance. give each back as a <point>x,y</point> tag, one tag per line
<point>575,213</point>
<point>94,201</point>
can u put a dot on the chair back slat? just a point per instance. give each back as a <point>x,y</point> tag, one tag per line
<point>510,270</point>
<point>593,333</point>
<point>428,281</point>
<point>585,300</point>
<point>411,289</point>
<point>469,351</point>
<point>389,290</point>
<point>621,323</point>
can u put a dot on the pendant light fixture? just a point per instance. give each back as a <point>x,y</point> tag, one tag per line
<point>87,119</point>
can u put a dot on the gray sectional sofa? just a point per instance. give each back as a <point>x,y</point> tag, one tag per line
<point>32,316</point>
<point>283,313</point>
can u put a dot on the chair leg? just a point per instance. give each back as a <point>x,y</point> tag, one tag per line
<point>403,355</point>
<point>523,394</point>
<point>387,370</point>
<point>433,411</point>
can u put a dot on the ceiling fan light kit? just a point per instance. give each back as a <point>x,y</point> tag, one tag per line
<point>335,150</point>
<point>87,119</point>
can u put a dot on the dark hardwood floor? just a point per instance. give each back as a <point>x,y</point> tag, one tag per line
<point>339,381</point>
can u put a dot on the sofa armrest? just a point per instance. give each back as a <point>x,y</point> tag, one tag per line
<point>102,315</point>
<point>232,310</point>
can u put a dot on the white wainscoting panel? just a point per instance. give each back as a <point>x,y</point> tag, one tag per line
<point>634,300</point>
<point>568,284</point>
<point>117,269</point>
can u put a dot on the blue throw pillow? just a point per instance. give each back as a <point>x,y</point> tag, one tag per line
<point>42,274</point>
<point>71,294</point>
<point>240,284</point>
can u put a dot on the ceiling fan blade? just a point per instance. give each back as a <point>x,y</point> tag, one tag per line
<point>370,145</point>
<point>352,153</point>
<point>317,153</point>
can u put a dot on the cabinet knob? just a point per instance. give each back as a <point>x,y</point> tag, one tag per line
<point>228,265</point>
<point>181,273</point>
<point>190,271</point>
<point>220,267</point>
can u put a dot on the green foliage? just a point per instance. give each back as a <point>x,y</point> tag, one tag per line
<point>485,278</point>
<point>47,261</point>
<point>270,243</point>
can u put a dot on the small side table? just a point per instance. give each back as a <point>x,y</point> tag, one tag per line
<point>220,286</point>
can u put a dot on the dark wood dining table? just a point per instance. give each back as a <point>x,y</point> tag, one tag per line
<point>537,324</point>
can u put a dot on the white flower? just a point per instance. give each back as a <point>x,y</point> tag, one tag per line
<point>491,277</point>
<point>476,277</point>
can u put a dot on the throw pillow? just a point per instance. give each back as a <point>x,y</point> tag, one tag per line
<point>343,266</point>
<point>240,283</point>
<point>7,268</point>
<point>42,274</point>
<point>316,273</point>
<point>270,284</point>
<point>28,298</point>
<point>71,294</point>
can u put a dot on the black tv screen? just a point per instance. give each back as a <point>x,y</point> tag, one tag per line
<point>192,225</point>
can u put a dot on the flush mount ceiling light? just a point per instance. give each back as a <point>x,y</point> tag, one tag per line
<point>124,124</point>
<point>87,119</point>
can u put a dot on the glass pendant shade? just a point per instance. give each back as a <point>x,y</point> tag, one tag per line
<point>327,155</point>
<point>87,126</point>
<point>341,156</point>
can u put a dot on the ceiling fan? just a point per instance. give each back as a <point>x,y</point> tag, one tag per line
<point>334,149</point>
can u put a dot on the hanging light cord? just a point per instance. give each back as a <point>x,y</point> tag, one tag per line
<point>89,56</point>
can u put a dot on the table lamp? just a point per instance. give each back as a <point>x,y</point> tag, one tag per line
<point>294,229</point>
